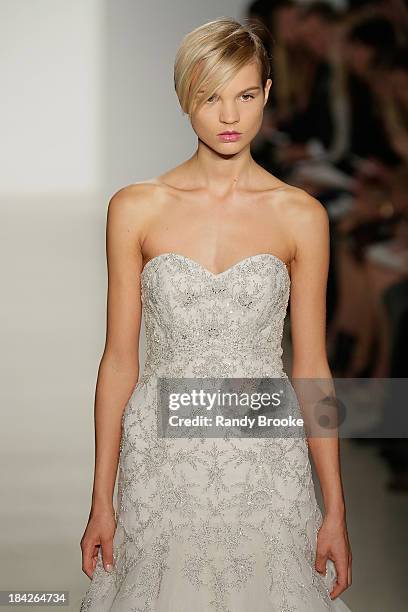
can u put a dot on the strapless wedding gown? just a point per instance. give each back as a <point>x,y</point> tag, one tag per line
<point>212,525</point>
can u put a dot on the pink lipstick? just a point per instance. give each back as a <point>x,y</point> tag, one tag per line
<point>229,136</point>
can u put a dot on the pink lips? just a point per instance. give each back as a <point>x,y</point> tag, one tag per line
<point>229,136</point>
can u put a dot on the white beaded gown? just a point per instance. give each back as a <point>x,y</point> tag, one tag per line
<point>211,525</point>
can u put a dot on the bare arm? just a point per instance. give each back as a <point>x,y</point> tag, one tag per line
<point>309,273</point>
<point>119,366</point>
<point>308,327</point>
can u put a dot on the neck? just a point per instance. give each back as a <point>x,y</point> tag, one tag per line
<point>222,174</point>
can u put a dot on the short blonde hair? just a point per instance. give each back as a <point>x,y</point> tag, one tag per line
<point>212,54</point>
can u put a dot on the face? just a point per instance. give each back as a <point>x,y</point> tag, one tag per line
<point>287,22</point>
<point>238,107</point>
<point>316,35</point>
<point>358,57</point>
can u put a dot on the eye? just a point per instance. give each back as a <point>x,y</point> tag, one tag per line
<point>247,96</point>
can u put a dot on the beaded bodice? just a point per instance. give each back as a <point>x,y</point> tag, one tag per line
<point>201,324</point>
<point>208,523</point>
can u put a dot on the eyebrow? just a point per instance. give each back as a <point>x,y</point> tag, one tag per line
<point>254,87</point>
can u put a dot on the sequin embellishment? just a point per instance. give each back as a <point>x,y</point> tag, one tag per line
<point>211,525</point>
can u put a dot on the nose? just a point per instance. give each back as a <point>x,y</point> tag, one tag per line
<point>229,113</point>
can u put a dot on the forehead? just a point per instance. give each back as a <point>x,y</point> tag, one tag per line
<point>247,76</point>
<point>249,70</point>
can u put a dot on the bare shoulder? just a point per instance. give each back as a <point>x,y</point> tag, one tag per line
<point>302,212</point>
<point>304,219</point>
<point>137,198</point>
<point>133,206</point>
<point>298,205</point>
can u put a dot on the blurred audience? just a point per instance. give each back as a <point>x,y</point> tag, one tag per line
<point>336,124</point>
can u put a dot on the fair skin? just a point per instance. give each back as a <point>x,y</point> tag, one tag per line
<point>216,208</point>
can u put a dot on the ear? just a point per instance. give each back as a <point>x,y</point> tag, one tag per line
<point>266,90</point>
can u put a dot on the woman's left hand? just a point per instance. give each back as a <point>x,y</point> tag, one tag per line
<point>333,543</point>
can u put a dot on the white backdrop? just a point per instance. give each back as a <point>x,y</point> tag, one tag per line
<point>88,106</point>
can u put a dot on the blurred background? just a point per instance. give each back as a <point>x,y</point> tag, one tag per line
<point>89,107</point>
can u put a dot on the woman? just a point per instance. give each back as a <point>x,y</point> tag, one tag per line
<point>211,250</point>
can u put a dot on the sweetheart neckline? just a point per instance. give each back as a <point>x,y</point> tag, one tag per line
<point>219,274</point>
